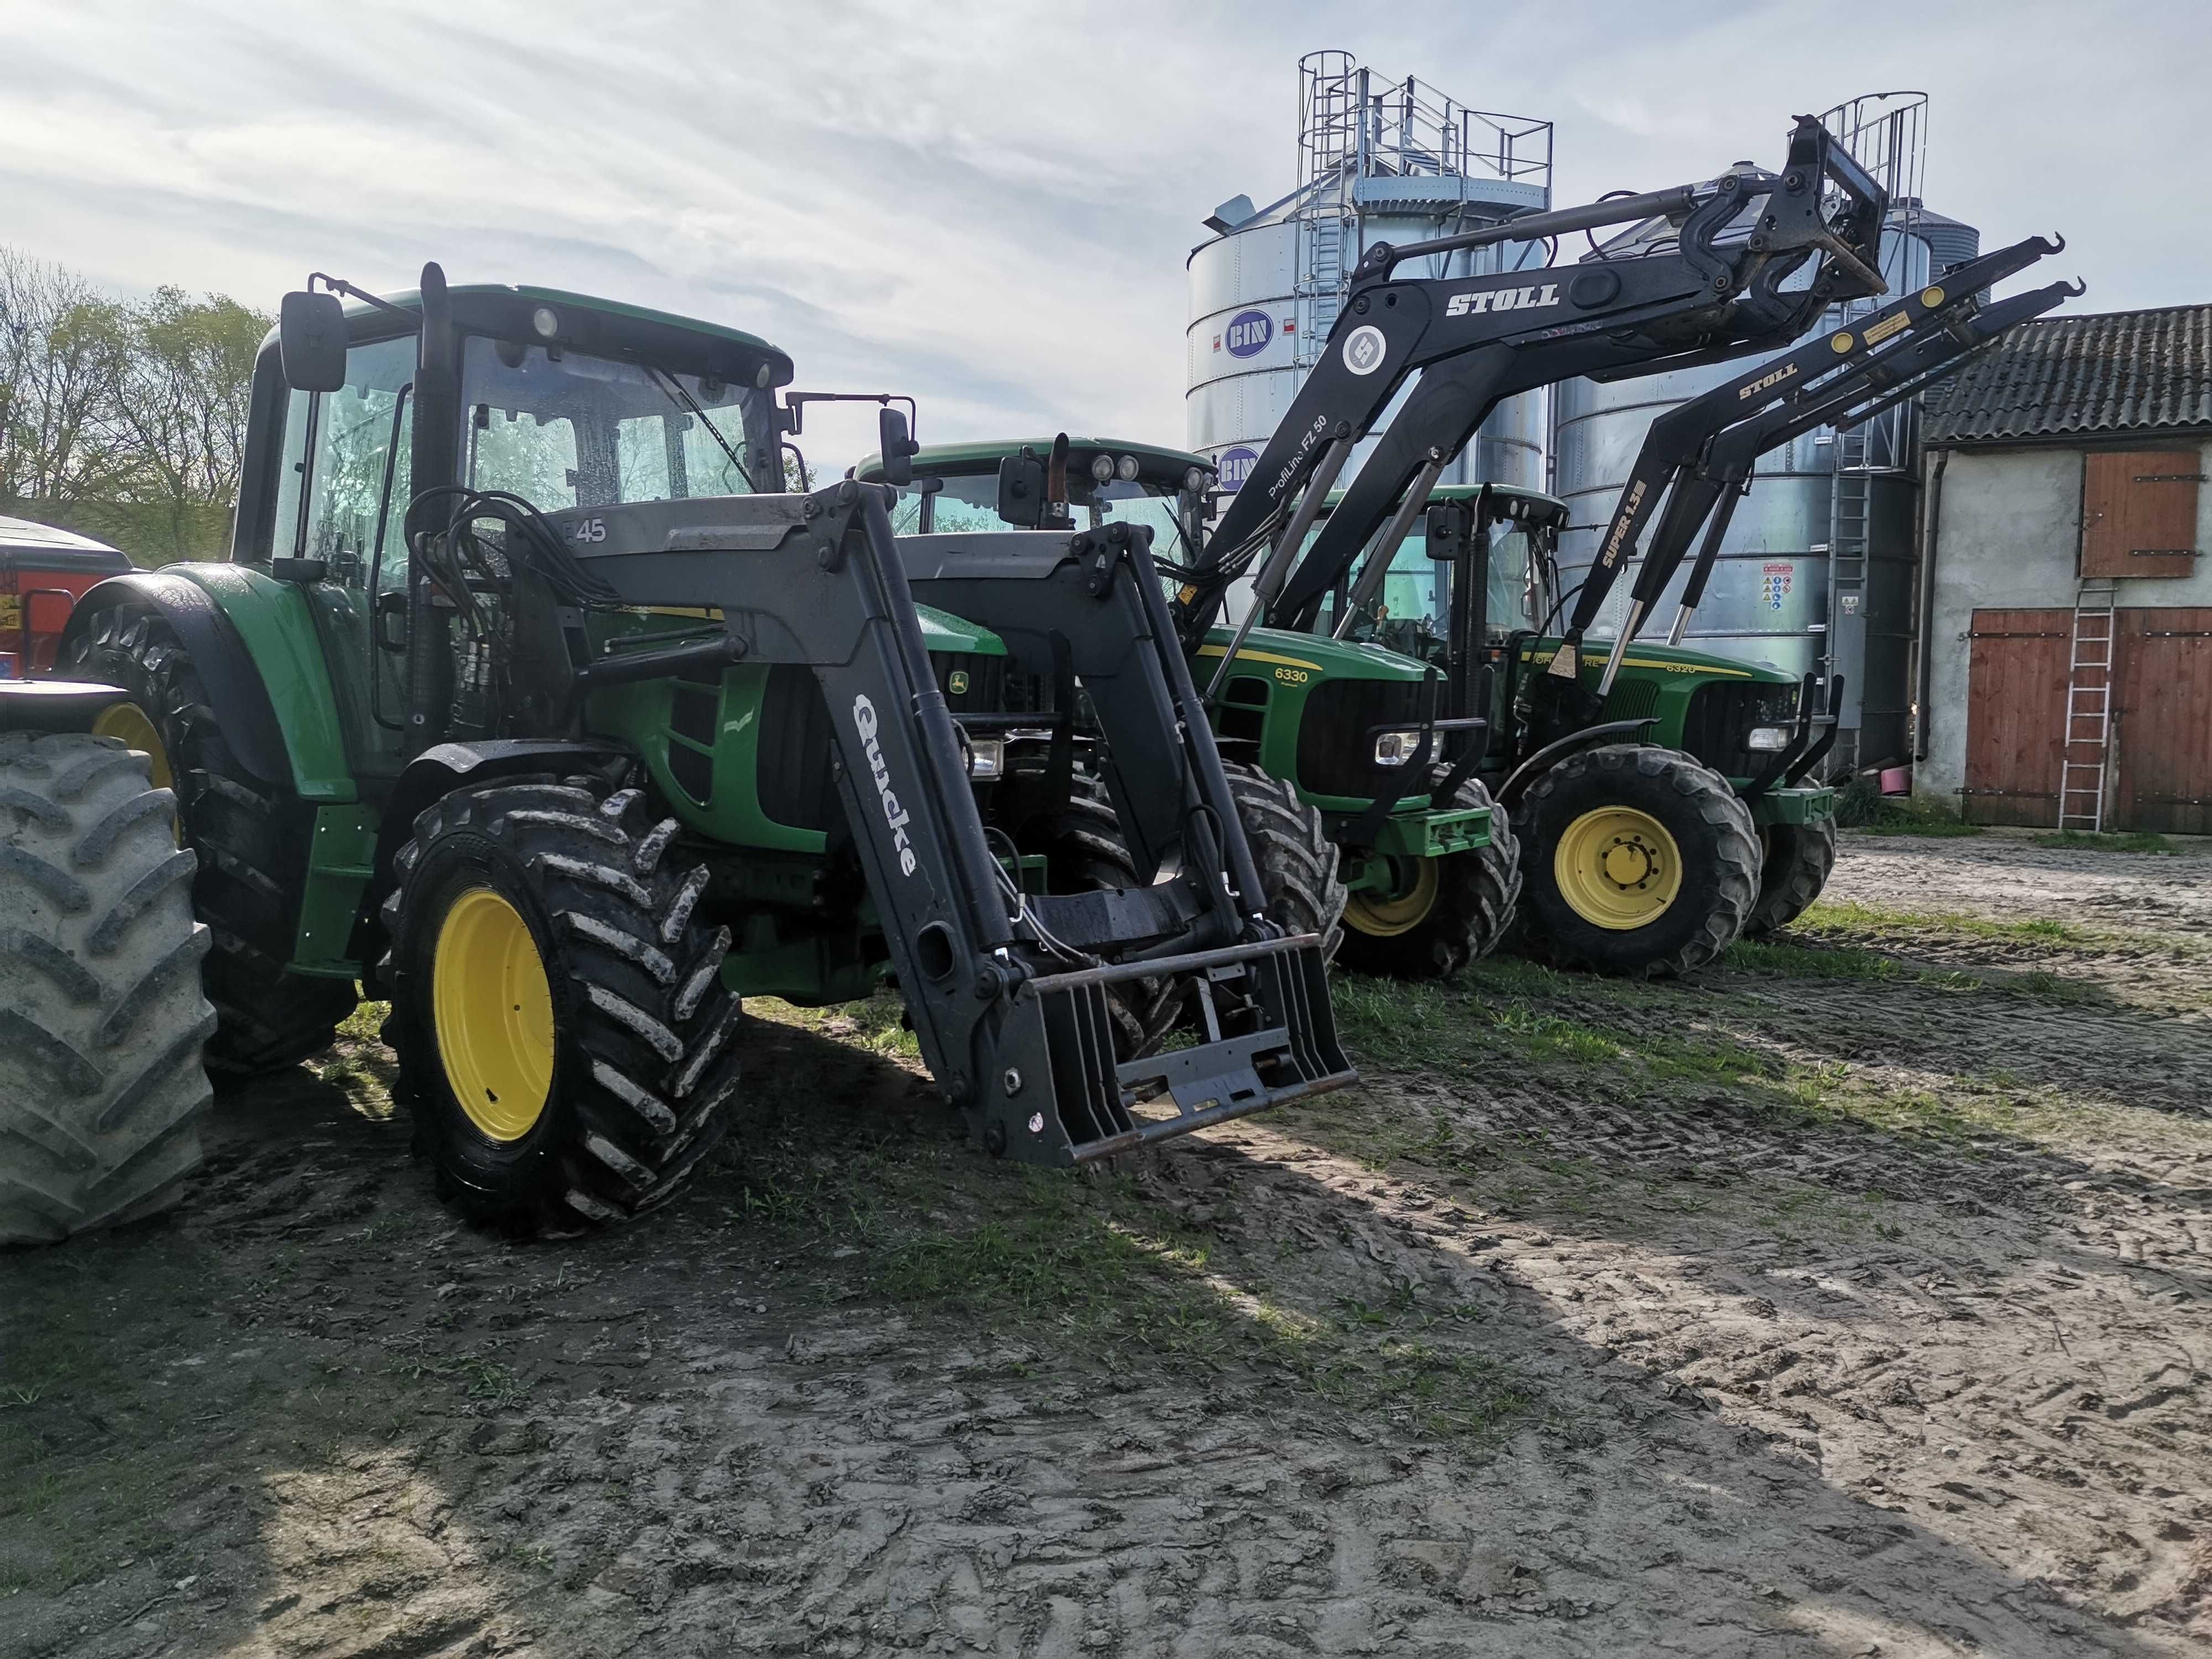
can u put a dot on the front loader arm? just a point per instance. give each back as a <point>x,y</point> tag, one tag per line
<point>1922,359</point>
<point>1763,407</point>
<point>1479,339</point>
<point>1007,991</point>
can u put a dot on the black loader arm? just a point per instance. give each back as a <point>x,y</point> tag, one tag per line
<point>1006,990</point>
<point>1714,288</point>
<point>1849,363</point>
<point>1932,351</point>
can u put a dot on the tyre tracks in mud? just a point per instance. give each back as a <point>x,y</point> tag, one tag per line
<point>1891,1339</point>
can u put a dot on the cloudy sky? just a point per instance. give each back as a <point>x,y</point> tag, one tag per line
<point>989,204</point>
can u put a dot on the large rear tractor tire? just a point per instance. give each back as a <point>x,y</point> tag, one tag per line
<point>252,839</point>
<point>1641,861</point>
<point>1799,858</point>
<point>563,1035</point>
<point>102,1018</point>
<point>1446,912</point>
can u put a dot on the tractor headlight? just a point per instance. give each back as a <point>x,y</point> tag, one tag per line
<point>1125,468</point>
<point>986,759</point>
<point>1192,479</point>
<point>1769,738</point>
<point>545,322</point>
<point>1396,748</point>
<point>1102,467</point>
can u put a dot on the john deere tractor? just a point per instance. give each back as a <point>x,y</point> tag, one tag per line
<point>517,699</point>
<point>1399,877</point>
<point>1719,722</point>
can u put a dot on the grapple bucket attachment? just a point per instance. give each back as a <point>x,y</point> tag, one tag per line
<point>1271,1037</point>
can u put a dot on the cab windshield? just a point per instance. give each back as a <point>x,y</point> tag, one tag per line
<point>564,429</point>
<point>1416,596</point>
<point>969,505</point>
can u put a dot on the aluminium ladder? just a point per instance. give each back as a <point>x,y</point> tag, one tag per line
<point>2088,706</point>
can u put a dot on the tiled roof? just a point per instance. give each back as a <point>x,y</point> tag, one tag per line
<point>2121,372</point>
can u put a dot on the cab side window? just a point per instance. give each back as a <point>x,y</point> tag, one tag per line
<point>348,448</point>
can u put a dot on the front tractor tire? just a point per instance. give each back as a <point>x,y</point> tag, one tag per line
<point>102,1018</point>
<point>252,837</point>
<point>563,1035</point>
<point>1641,861</point>
<point>1301,890</point>
<point>1799,858</point>
<point>1446,912</point>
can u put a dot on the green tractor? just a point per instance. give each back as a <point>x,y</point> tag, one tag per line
<point>1682,814</point>
<point>1412,909</point>
<point>518,700</point>
<point>1405,884</point>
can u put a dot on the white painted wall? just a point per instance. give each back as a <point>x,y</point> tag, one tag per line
<point>2008,536</point>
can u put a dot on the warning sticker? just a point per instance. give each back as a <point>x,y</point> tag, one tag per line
<point>1774,579</point>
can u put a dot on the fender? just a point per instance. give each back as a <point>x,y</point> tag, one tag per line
<point>443,768</point>
<point>1525,775</point>
<point>226,668</point>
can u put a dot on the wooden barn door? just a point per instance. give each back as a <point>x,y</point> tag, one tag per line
<point>2016,712</point>
<point>2163,740</point>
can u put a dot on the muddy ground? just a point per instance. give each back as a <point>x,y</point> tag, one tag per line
<point>1854,1300</point>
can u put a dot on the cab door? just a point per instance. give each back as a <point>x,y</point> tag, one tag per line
<point>343,487</point>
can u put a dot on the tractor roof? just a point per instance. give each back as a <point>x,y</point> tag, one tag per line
<point>506,309</point>
<point>1154,463</point>
<point>1520,503</point>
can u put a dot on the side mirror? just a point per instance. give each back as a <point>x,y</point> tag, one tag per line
<point>896,447</point>
<point>1447,528</point>
<point>1021,491</point>
<point>311,339</point>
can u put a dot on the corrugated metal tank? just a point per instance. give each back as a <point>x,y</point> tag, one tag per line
<point>1253,337</point>
<point>1380,161</point>
<point>1772,593</point>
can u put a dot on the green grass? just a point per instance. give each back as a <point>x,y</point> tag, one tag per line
<point>366,1022</point>
<point>1826,913</point>
<point>1860,805</point>
<point>2134,841</point>
<point>1786,960</point>
<point>1892,821</point>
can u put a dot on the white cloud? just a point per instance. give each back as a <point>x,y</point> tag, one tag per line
<point>988,204</point>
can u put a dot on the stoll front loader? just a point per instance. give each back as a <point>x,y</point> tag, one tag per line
<point>1637,856</point>
<point>518,699</point>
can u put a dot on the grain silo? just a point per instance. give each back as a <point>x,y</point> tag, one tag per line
<point>1379,161</point>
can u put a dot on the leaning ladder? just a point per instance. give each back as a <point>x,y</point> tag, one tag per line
<point>2088,709</point>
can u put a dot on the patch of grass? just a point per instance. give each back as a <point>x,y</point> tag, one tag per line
<point>1792,961</point>
<point>1860,806</point>
<point>2133,841</point>
<point>1502,1021</point>
<point>364,1024</point>
<point>1829,914</point>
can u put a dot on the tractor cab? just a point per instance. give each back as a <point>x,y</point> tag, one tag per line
<point>1736,717</point>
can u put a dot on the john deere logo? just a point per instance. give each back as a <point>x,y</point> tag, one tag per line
<point>958,682</point>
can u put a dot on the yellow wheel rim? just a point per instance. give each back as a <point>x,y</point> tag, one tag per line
<point>1617,868</point>
<point>494,1013</point>
<point>1385,918</point>
<point>128,721</point>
